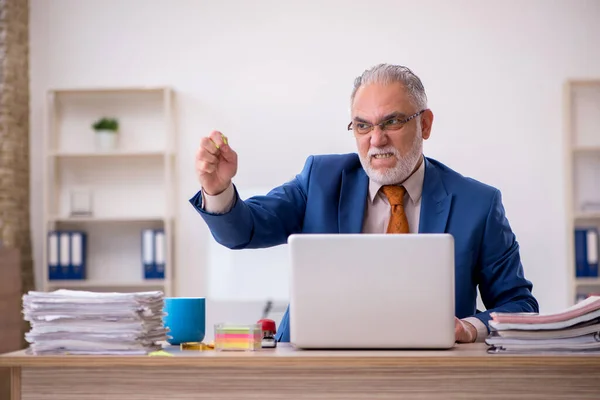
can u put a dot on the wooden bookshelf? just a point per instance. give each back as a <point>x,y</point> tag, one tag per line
<point>582,171</point>
<point>132,186</point>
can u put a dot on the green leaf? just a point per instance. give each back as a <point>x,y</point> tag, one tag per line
<point>105,123</point>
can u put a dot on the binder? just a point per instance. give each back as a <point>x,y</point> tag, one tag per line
<point>78,255</point>
<point>148,264</point>
<point>159,254</point>
<point>64,254</point>
<point>587,245</point>
<point>581,269</point>
<point>592,252</point>
<point>52,254</point>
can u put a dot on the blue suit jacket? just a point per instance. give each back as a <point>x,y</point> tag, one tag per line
<point>329,196</point>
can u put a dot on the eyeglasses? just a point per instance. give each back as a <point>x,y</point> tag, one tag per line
<point>392,124</point>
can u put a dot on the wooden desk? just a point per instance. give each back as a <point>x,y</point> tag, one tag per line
<point>466,372</point>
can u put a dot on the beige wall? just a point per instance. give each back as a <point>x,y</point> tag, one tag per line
<point>276,77</point>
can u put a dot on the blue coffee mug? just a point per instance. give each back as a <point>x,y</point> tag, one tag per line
<point>186,319</point>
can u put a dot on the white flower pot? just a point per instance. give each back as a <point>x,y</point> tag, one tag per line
<point>106,140</point>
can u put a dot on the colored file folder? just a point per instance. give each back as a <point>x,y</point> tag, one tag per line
<point>78,255</point>
<point>592,252</point>
<point>159,254</point>
<point>67,255</point>
<point>52,254</point>
<point>586,252</point>
<point>153,253</point>
<point>148,253</point>
<point>64,254</point>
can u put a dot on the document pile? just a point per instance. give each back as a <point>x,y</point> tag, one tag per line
<point>575,329</point>
<point>80,322</point>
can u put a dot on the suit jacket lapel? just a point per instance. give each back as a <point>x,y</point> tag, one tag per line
<point>435,203</point>
<point>353,197</point>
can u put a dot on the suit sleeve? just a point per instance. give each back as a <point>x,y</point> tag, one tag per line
<point>261,221</point>
<point>501,279</point>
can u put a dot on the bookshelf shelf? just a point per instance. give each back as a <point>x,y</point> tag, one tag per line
<point>587,281</point>
<point>586,149</point>
<point>587,216</point>
<point>112,90</point>
<point>68,284</point>
<point>129,188</point>
<point>57,154</point>
<point>582,177</point>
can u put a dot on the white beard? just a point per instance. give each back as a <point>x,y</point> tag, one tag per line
<point>404,166</point>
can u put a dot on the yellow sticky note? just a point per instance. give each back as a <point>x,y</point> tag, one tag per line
<point>161,353</point>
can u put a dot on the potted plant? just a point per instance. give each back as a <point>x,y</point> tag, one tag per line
<point>107,132</point>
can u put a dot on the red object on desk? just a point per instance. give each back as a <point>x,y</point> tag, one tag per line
<point>268,325</point>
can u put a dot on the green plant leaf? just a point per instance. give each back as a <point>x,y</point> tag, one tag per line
<point>105,123</point>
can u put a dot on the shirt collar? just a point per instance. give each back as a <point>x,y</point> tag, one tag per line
<point>413,185</point>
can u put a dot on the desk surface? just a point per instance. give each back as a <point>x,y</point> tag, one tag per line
<point>471,355</point>
<point>464,372</point>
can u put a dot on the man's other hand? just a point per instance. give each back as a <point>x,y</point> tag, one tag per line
<point>464,332</point>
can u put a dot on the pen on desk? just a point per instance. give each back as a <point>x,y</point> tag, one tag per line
<point>196,346</point>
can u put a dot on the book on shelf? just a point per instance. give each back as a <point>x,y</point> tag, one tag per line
<point>575,329</point>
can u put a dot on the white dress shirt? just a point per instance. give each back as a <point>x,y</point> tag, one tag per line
<point>377,215</point>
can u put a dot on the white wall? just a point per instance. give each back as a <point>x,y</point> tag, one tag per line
<point>275,76</point>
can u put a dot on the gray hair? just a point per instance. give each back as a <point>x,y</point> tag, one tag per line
<point>387,74</point>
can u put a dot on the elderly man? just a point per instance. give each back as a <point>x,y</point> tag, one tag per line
<point>389,186</point>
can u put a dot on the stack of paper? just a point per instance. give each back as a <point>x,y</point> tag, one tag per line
<point>79,322</point>
<point>575,329</point>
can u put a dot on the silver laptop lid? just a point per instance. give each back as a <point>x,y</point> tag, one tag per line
<point>372,290</point>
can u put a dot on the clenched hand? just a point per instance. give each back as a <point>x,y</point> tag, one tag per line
<point>216,163</point>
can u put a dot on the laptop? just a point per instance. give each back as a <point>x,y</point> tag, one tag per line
<point>372,291</point>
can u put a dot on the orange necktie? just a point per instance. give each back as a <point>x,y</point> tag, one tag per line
<point>398,221</point>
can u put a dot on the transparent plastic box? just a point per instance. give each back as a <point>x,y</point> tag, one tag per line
<point>238,337</point>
